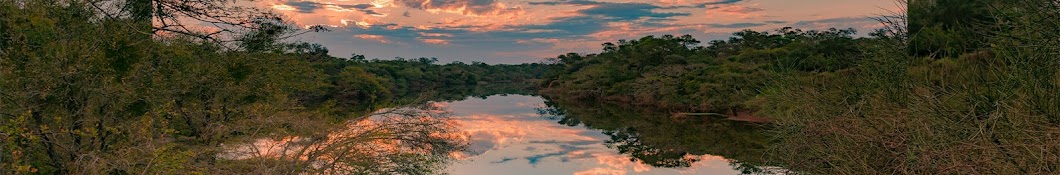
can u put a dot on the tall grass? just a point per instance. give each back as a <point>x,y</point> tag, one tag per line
<point>992,111</point>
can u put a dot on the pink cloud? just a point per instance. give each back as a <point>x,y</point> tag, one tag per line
<point>463,7</point>
<point>435,34</point>
<point>379,38</point>
<point>493,132</point>
<point>434,41</point>
<point>735,10</point>
<point>615,165</point>
<point>600,171</point>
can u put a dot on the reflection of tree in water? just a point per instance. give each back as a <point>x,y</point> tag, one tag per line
<point>664,140</point>
<point>418,139</point>
<point>628,142</point>
<point>392,141</point>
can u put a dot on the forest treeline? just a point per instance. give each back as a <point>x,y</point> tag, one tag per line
<point>953,87</point>
<point>676,72</point>
<point>87,90</point>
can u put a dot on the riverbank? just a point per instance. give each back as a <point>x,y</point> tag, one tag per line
<point>948,98</point>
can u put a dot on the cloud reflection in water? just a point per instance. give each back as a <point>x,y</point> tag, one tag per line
<point>508,136</point>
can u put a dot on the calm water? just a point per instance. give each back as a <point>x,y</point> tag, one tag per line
<point>518,134</point>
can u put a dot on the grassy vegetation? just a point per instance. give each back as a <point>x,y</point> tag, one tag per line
<point>990,109</point>
<point>87,93</point>
<point>970,89</point>
<point>675,72</point>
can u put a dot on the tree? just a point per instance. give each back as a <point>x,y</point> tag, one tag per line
<point>226,20</point>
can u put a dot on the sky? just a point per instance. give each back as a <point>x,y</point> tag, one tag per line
<point>527,31</point>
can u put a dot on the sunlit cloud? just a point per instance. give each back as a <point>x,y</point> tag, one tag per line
<point>463,7</point>
<point>740,11</point>
<point>614,165</point>
<point>379,38</point>
<point>435,34</point>
<point>435,41</point>
<point>364,24</point>
<point>518,29</point>
<point>381,3</point>
<point>600,171</point>
<point>283,7</point>
<point>492,132</point>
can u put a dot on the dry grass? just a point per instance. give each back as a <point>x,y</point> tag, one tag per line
<point>994,114</point>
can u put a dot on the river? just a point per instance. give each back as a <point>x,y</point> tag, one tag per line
<point>518,134</point>
<point>526,134</point>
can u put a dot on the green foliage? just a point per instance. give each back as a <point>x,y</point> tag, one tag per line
<point>947,28</point>
<point>979,100</point>
<point>101,102</point>
<point>89,95</point>
<point>971,92</point>
<point>356,84</point>
<point>674,72</point>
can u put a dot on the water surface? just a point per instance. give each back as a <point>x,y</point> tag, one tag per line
<point>520,134</point>
<point>516,134</point>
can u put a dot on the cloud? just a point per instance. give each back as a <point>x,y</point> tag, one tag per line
<point>514,30</point>
<point>595,19</point>
<point>435,34</point>
<point>465,7</point>
<point>736,25</point>
<point>576,26</point>
<point>735,9</point>
<point>568,2</point>
<point>601,171</point>
<point>311,6</point>
<point>616,11</point>
<point>840,22</point>
<point>680,4</point>
<point>536,159</point>
<point>615,165</point>
<point>305,6</point>
<point>357,6</point>
<point>628,11</point>
<point>575,142</point>
<point>378,38</point>
<point>434,41</point>
<point>776,22</point>
<point>504,160</point>
<point>672,4</point>
<point>563,154</point>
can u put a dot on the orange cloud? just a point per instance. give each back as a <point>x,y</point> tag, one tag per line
<point>492,132</point>
<point>614,165</point>
<point>283,7</point>
<point>435,34</point>
<point>434,41</point>
<point>600,171</point>
<point>735,10</point>
<point>463,7</point>
<point>379,38</point>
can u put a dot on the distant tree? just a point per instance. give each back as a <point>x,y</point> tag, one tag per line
<point>357,58</point>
